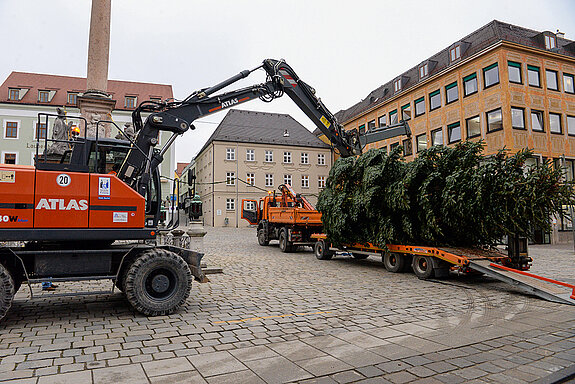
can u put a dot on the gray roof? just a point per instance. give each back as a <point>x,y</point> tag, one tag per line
<point>240,126</point>
<point>478,40</point>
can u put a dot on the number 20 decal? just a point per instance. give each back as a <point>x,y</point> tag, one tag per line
<point>63,180</point>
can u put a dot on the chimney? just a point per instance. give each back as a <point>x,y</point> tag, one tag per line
<point>560,34</point>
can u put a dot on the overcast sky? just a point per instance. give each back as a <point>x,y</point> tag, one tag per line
<point>344,49</point>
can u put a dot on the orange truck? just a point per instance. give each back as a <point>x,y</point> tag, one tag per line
<point>289,218</point>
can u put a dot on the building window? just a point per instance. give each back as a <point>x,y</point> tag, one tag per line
<point>568,83</point>
<point>473,125</point>
<point>454,132</point>
<point>406,112</point>
<point>269,180</point>
<point>321,159</point>
<point>72,98</point>
<point>384,149</point>
<point>11,130</point>
<point>230,178</point>
<point>393,146</point>
<point>230,204</point>
<point>370,125</point>
<point>419,106</point>
<point>10,158</point>
<point>537,124</point>
<point>43,96</point>
<point>550,42</point>
<point>533,76</point>
<point>494,120</point>
<point>437,137</point>
<point>397,85</point>
<point>304,158</point>
<point>491,75</point>
<point>571,125</point>
<point>304,181</point>
<point>393,117</point>
<point>40,131</point>
<point>434,100</point>
<point>250,155</point>
<point>517,118</point>
<point>251,178</point>
<point>130,102</point>
<point>14,94</point>
<point>382,121</point>
<point>287,157</point>
<point>455,53</point>
<point>555,123</point>
<point>423,71</point>
<point>321,182</point>
<point>230,153</point>
<point>551,77</point>
<point>514,70</point>
<point>287,179</point>
<point>451,93</point>
<point>407,147</point>
<point>269,157</point>
<point>421,142</point>
<point>361,129</point>
<point>470,84</point>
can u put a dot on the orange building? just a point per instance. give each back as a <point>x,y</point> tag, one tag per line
<point>507,85</point>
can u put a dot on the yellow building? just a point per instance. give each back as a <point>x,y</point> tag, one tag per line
<point>507,85</point>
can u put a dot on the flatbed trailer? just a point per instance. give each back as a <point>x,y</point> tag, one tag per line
<point>428,262</point>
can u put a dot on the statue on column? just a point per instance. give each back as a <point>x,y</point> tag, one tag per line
<point>59,134</point>
<point>93,125</point>
<point>128,131</point>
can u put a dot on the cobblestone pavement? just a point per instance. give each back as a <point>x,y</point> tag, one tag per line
<point>274,317</point>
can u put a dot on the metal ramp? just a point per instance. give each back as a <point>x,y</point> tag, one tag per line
<point>539,286</point>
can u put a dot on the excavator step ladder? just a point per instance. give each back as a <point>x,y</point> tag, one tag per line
<point>545,288</point>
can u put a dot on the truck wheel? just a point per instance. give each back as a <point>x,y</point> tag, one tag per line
<point>322,251</point>
<point>284,243</point>
<point>423,267</point>
<point>6,291</point>
<point>262,238</point>
<point>158,282</point>
<point>394,262</point>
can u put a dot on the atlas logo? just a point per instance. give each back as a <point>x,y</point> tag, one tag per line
<point>61,205</point>
<point>6,219</point>
<point>229,103</point>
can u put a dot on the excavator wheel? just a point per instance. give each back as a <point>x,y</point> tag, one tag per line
<point>423,267</point>
<point>262,238</point>
<point>7,290</point>
<point>158,282</point>
<point>394,262</point>
<point>285,246</point>
<point>322,251</point>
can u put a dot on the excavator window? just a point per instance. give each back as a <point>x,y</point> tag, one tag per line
<point>107,158</point>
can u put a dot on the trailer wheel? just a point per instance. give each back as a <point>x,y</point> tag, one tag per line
<point>262,238</point>
<point>285,246</point>
<point>394,262</point>
<point>158,282</point>
<point>322,251</point>
<point>6,290</point>
<point>423,267</point>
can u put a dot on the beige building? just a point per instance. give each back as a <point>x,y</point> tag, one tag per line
<point>251,153</point>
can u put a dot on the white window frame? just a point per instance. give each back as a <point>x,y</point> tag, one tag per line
<point>304,158</point>
<point>287,179</point>
<point>10,153</point>
<point>251,178</point>
<point>19,126</point>
<point>321,159</point>
<point>550,42</point>
<point>423,71</point>
<point>287,157</point>
<point>397,85</point>
<point>305,181</point>
<point>230,204</point>
<point>34,124</point>
<point>230,178</point>
<point>269,179</point>
<point>455,53</point>
<point>321,182</point>
<point>250,155</point>
<point>269,156</point>
<point>230,154</point>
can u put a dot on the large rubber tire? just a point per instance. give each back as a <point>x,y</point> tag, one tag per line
<point>285,246</point>
<point>423,267</point>
<point>262,238</point>
<point>6,291</point>
<point>158,282</point>
<point>394,262</point>
<point>322,251</point>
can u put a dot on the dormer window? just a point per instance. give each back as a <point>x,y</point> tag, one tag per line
<point>397,85</point>
<point>130,102</point>
<point>423,70</point>
<point>72,98</point>
<point>14,94</point>
<point>455,53</point>
<point>550,42</point>
<point>43,96</point>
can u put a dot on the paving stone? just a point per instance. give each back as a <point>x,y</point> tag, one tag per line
<point>323,365</point>
<point>393,366</point>
<point>441,366</point>
<point>253,353</point>
<point>277,370</point>
<point>296,350</point>
<point>370,371</point>
<point>192,377</point>
<point>215,363</point>
<point>124,374</point>
<point>400,377</point>
<point>347,377</point>
<point>167,366</point>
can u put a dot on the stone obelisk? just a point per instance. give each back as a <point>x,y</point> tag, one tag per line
<point>96,104</point>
